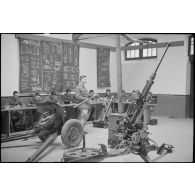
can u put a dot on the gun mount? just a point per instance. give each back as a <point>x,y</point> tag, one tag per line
<point>130,133</point>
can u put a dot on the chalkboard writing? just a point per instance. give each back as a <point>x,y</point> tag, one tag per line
<point>52,66</point>
<point>48,66</point>
<point>103,67</point>
<point>70,65</point>
<point>30,66</point>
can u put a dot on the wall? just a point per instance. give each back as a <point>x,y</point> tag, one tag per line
<point>88,66</point>
<point>172,81</point>
<point>9,64</point>
<point>172,76</point>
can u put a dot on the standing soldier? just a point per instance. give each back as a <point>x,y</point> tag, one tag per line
<point>81,95</point>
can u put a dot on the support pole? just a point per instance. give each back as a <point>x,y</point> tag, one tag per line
<point>119,73</point>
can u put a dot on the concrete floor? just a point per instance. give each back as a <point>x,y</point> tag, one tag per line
<point>177,132</point>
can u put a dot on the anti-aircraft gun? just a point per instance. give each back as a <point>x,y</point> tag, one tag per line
<point>131,134</point>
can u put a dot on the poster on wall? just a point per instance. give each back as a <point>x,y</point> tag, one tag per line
<point>47,66</point>
<point>52,66</point>
<point>103,67</point>
<point>70,54</point>
<point>30,66</point>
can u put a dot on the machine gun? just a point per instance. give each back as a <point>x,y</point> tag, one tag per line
<point>131,135</point>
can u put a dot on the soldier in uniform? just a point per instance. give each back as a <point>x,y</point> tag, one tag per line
<point>124,97</point>
<point>66,98</point>
<point>52,98</point>
<point>15,115</point>
<point>108,94</point>
<point>15,100</point>
<point>36,99</point>
<point>81,94</point>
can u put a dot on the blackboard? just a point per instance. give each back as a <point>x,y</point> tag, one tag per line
<point>48,66</point>
<point>30,66</point>
<point>70,65</point>
<point>52,66</point>
<point>103,67</point>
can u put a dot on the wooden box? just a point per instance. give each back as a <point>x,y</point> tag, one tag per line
<point>114,120</point>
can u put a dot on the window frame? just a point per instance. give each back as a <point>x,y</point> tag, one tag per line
<point>141,51</point>
<point>189,46</point>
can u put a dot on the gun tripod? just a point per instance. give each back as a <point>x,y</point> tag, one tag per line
<point>125,147</point>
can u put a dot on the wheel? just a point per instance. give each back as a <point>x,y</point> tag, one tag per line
<point>72,133</point>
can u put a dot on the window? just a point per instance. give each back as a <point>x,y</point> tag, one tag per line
<point>191,46</point>
<point>132,54</point>
<point>141,53</point>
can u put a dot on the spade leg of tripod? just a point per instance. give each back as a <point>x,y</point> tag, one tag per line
<point>43,147</point>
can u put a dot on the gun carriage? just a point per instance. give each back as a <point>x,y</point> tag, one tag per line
<point>56,119</point>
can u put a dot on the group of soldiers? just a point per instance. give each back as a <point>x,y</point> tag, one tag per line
<point>81,94</point>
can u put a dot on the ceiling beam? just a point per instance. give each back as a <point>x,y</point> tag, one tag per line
<point>94,46</point>
<point>157,45</point>
<point>126,37</point>
<point>57,40</point>
<point>79,36</point>
<point>75,37</point>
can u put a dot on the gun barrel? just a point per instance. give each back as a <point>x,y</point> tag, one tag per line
<point>147,89</point>
<point>85,101</point>
<point>162,58</point>
<point>50,140</point>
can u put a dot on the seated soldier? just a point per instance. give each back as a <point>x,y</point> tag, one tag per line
<point>52,98</point>
<point>124,97</point>
<point>15,115</point>
<point>15,100</point>
<point>108,94</point>
<point>91,92</point>
<point>66,98</point>
<point>36,99</point>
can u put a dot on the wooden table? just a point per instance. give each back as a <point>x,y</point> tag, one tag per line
<point>16,108</point>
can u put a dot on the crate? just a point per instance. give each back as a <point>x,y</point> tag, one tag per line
<point>114,119</point>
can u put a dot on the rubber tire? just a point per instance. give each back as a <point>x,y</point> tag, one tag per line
<point>65,130</point>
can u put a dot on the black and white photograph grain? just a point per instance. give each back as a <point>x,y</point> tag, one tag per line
<point>97,98</point>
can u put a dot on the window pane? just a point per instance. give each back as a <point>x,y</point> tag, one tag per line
<point>149,52</point>
<point>137,53</point>
<point>132,53</point>
<point>145,52</point>
<point>128,54</point>
<point>153,51</point>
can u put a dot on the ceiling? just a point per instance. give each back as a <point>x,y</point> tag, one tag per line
<point>109,39</point>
